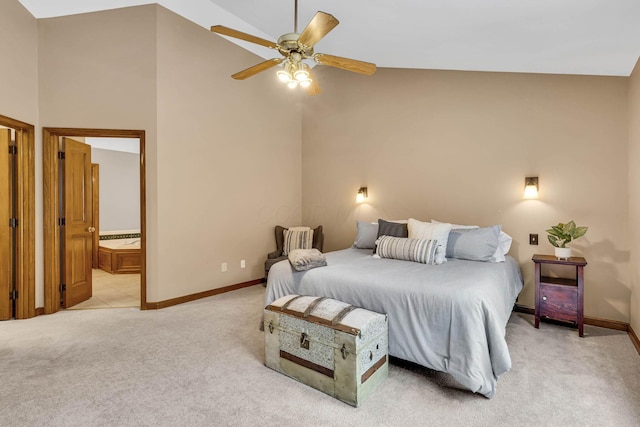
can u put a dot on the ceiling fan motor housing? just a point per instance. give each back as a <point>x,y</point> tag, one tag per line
<point>288,43</point>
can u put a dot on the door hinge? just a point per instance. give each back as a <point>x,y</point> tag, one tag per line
<point>13,222</point>
<point>13,149</point>
<point>61,222</point>
<point>13,295</point>
<point>62,287</point>
<point>61,155</point>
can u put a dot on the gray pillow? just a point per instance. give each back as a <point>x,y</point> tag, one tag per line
<point>393,229</point>
<point>474,244</point>
<point>366,235</point>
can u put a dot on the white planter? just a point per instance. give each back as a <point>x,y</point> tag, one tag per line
<point>563,253</point>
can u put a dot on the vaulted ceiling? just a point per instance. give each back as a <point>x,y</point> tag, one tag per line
<point>593,37</point>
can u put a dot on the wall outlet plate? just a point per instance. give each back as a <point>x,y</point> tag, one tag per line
<point>533,239</point>
<point>223,267</point>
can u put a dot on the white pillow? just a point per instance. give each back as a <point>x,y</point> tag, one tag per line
<point>504,241</point>
<point>431,231</point>
<point>504,244</point>
<point>454,226</point>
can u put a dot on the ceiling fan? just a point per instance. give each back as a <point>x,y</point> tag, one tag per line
<point>296,48</point>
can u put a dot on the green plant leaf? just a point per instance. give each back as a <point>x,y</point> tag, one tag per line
<point>554,241</point>
<point>570,228</point>
<point>555,231</point>
<point>580,231</point>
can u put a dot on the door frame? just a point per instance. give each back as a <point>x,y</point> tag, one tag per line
<point>51,178</point>
<point>95,207</point>
<point>25,203</point>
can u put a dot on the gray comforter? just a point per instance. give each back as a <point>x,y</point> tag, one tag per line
<point>448,317</point>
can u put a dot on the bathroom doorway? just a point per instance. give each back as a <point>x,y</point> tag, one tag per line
<point>115,197</point>
<point>55,269</point>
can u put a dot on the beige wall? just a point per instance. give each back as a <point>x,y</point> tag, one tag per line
<point>212,196</point>
<point>228,160</point>
<point>98,70</point>
<point>19,98</point>
<point>634,195</point>
<point>456,146</point>
<point>19,50</point>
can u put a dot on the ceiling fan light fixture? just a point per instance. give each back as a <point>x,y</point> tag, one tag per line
<point>292,84</point>
<point>305,83</point>
<point>283,76</point>
<point>301,75</point>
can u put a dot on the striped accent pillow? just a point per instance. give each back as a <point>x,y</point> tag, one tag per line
<point>416,250</point>
<point>297,238</point>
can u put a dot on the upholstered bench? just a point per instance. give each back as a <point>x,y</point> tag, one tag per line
<point>330,345</point>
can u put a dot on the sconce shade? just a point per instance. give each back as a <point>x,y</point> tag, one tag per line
<point>531,187</point>
<point>362,194</point>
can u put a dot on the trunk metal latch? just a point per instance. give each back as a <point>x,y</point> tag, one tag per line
<point>304,341</point>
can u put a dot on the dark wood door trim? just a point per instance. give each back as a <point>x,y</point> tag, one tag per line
<point>51,208</point>
<point>25,204</point>
<point>7,247</point>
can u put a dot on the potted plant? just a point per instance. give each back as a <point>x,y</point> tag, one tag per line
<point>561,234</point>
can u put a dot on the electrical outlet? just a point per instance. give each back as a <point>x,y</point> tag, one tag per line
<point>223,267</point>
<point>533,239</point>
<point>242,264</point>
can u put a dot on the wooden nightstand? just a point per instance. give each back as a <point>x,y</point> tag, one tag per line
<point>561,299</point>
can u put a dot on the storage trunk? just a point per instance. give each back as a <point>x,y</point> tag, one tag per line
<point>330,345</point>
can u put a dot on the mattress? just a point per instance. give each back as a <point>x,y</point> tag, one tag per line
<point>449,317</point>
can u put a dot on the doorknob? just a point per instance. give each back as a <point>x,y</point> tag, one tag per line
<point>91,229</point>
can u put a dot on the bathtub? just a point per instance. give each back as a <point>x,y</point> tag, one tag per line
<point>119,255</point>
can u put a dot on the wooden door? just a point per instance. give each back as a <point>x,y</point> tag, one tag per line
<point>78,227</point>
<point>6,253</point>
<point>95,200</point>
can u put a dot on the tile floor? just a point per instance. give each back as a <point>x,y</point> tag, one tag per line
<point>112,291</point>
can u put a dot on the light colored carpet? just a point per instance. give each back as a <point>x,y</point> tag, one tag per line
<point>201,364</point>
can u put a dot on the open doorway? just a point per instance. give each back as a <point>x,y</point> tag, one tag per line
<point>115,203</point>
<point>55,228</point>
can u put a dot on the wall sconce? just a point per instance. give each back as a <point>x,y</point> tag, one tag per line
<point>362,195</point>
<point>531,187</point>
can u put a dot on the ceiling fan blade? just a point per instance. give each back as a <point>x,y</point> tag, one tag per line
<point>220,29</point>
<point>319,27</point>
<point>345,63</point>
<point>314,88</point>
<point>252,71</point>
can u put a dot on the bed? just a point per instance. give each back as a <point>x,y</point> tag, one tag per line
<point>449,317</point>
